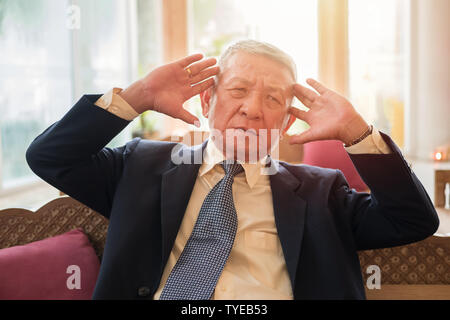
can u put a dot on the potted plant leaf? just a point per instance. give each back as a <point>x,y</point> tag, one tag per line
<point>146,126</point>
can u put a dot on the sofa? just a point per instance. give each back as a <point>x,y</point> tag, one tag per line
<point>416,271</point>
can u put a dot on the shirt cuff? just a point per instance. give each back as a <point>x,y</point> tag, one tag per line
<point>372,144</point>
<point>115,104</point>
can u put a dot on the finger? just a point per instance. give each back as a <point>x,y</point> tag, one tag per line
<point>302,138</point>
<point>189,59</point>
<point>306,102</point>
<point>188,117</point>
<point>300,114</point>
<point>303,92</point>
<point>202,86</point>
<point>196,68</point>
<point>320,88</point>
<point>205,74</point>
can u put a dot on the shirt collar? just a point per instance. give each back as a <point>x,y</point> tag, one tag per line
<point>214,156</point>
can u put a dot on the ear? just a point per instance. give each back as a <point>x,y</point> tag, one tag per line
<point>205,98</point>
<point>289,124</point>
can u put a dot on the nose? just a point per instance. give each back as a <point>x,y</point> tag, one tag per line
<point>252,107</point>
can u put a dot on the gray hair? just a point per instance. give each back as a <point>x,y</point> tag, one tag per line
<point>259,48</point>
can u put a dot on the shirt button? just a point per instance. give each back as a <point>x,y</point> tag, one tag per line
<point>143,291</point>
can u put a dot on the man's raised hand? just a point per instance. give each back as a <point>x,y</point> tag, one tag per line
<point>166,88</point>
<point>330,115</point>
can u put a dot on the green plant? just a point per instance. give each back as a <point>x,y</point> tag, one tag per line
<point>146,124</point>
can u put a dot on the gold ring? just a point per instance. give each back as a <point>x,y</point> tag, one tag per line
<point>189,71</point>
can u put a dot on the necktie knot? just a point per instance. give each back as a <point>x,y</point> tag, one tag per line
<point>232,168</point>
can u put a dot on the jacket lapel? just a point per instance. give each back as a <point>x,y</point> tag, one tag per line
<point>176,188</point>
<point>290,210</point>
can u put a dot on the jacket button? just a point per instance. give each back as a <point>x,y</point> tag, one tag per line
<point>143,291</point>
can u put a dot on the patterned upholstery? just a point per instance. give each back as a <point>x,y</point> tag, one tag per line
<point>21,226</point>
<point>423,263</point>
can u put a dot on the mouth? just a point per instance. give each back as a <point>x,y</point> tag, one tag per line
<point>245,131</point>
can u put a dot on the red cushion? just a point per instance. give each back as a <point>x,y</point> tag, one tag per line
<point>38,270</point>
<point>331,154</point>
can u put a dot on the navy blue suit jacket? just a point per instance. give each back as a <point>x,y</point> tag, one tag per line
<point>321,222</point>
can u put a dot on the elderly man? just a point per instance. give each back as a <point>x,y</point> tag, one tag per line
<point>223,227</point>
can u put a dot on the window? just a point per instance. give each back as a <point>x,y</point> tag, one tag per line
<point>46,66</point>
<point>103,51</point>
<point>377,73</point>
<point>150,56</point>
<point>35,79</point>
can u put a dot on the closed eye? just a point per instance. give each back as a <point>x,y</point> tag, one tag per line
<point>238,92</point>
<point>274,99</point>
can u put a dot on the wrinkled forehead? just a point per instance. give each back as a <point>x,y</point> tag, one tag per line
<point>253,69</point>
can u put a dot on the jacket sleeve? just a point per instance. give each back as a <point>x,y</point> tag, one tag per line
<point>397,211</point>
<point>71,154</point>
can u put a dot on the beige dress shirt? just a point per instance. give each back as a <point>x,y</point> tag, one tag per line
<point>256,268</point>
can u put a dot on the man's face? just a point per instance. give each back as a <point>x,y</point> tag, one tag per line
<point>254,93</point>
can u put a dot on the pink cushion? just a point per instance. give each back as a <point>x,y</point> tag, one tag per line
<point>38,270</point>
<point>331,154</point>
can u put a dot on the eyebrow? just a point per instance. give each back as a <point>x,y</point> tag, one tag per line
<point>247,82</point>
<point>234,79</point>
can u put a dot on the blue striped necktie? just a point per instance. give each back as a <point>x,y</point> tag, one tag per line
<point>195,275</point>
